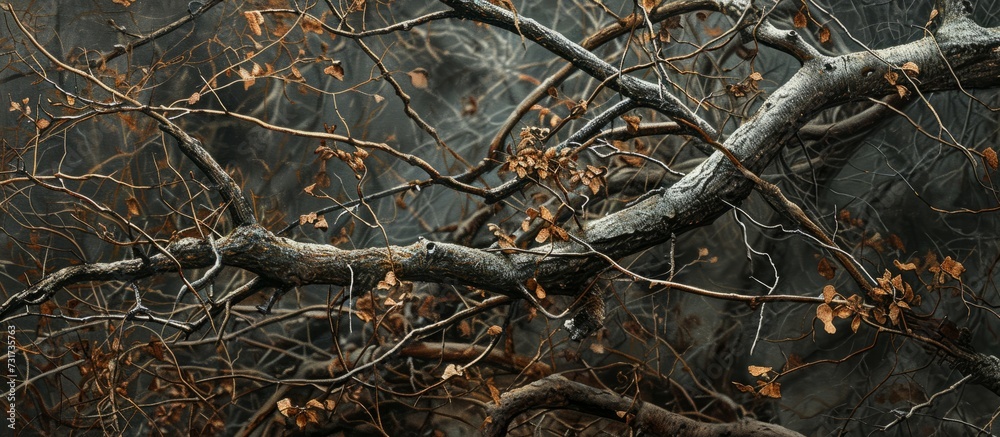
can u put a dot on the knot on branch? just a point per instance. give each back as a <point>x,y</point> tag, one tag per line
<point>588,320</point>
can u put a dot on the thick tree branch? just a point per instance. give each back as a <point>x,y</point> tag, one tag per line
<point>557,392</point>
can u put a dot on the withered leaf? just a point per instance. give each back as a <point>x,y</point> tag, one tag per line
<point>632,123</point>
<point>285,407</point>
<point>800,20</point>
<point>828,293</point>
<point>824,35</point>
<point>335,70</point>
<point>856,323</point>
<point>419,78</point>
<point>891,77</point>
<point>254,20</point>
<point>825,314</point>
<point>825,269</point>
<point>543,235</point>
<point>307,218</point>
<point>321,224</point>
<point>758,370</point>
<point>464,328</point>
<point>452,370</point>
<point>990,158</point>
<point>248,79</point>
<point>771,390</point>
<point>952,267</point>
<point>494,392</point>
<point>494,330</point>
<point>133,206</point>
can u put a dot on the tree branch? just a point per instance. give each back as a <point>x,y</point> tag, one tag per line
<point>557,392</point>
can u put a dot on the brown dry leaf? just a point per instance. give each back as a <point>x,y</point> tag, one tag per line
<point>934,14</point>
<point>990,158</point>
<point>794,361</point>
<point>388,282</point>
<point>296,75</point>
<point>543,235</point>
<point>335,70</point>
<point>896,242</point>
<point>702,252</point>
<point>321,224</point>
<point>42,123</point>
<point>952,267</point>
<point>315,404</point>
<point>365,309</point>
<point>546,214</point>
<point>891,77</point>
<point>133,206</point>
<point>649,5</point>
<point>301,421</point>
<point>894,313</point>
<point>540,292</point>
<point>248,79</point>
<point>307,218</point>
<point>418,77</point>
<point>597,348</point>
<point>856,323</point>
<point>285,407</point>
<point>825,314</point>
<point>756,77</point>
<point>70,100</point>
<point>452,370</point>
<point>911,69</point>
<point>620,414</point>
<point>744,388</point>
<point>156,349</point>
<point>771,390</point>
<point>758,370</point>
<point>904,267</point>
<point>125,3</point>
<point>464,328</point>
<point>800,20</point>
<point>310,24</point>
<point>494,330</point>
<point>194,98</point>
<point>560,233</point>
<point>632,123</point>
<point>828,293</point>
<point>254,19</point>
<point>824,35</point>
<point>825,269</point>
<point>901,90</point>
<point>309,189</point>
<point>494,392</point>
